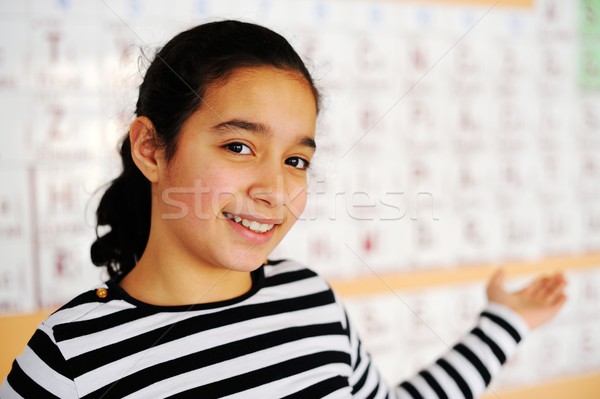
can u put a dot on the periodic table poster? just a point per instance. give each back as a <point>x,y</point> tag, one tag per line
<point>451,133</point>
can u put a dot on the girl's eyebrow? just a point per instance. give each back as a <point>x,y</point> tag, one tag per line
<point>237,124</point>
<point>259,129</point>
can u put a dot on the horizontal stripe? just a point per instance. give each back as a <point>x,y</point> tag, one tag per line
<point>374,391</point>
<point>50,380</point>
<point>412,391</point>
<point>283,267</point>
<point>475,361</point>
<point>446,382</point>
<point>361,381</point>
<point>289,277</point>
<point>320,389</point>
<point>292,384</point>
<point>25,386</point>
<point>467,372</point>
<point>275,262</point>
<point>263,376</point>
<point>91,360</point>
<point>483,352</point>
<point>509,315</point>
<point>214,355</point>
<point>422,386</point>
<point>460,382</point>
<point>64,316</point>
<point>359,351</point>
<point>432,382</point>
<point>201,341</point>
<point>44,348</point>
<point>372,385</point>
<point>490,343</point>
<point>85,327</point>
<point>504,324</point>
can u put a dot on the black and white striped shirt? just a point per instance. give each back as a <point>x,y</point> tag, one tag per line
<point>287,337</point>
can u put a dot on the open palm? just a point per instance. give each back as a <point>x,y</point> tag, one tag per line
<point>537,303</point>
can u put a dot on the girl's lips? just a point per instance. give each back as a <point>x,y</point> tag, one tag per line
<point>252,218</point>
<point>249,235</point>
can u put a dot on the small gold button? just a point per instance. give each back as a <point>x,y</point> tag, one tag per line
<point>101,292</point>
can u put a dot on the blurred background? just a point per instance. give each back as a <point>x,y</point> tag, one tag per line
<point>455,136</point>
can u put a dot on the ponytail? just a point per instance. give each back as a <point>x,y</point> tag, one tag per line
<point>125,209</point>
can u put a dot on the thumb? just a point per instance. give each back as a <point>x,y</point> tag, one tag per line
<point>495,287</point>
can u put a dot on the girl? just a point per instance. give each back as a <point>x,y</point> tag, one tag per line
<point>214,176</point>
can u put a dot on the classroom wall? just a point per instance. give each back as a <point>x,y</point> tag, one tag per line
<point>454,137</point>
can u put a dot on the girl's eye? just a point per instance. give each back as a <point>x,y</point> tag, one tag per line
<point>238,148</point>
<point>297,162</point>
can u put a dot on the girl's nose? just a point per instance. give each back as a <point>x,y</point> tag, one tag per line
<point>269,188</point>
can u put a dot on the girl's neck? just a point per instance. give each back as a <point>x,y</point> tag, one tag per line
<point>168,281</point>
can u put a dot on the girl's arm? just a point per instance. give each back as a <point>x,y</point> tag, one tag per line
<point>467,369</point>
<point>40,371</point>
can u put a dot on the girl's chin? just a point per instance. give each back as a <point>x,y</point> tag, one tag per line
<point>245,263</point>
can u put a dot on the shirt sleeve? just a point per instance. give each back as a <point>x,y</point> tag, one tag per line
<point>40,371</point>
<point>464,371</point>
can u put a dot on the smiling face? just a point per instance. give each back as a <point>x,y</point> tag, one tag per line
<point>237,182</point>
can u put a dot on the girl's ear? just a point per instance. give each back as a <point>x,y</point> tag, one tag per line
<point>144,149</point>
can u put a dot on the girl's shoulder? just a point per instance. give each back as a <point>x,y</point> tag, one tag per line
<point>88,305</point>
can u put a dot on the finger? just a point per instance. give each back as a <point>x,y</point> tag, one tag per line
<point>539,286</point>
<point>561,277</point>
<point>556,300</point>
<point>556,281</point>
<point>559,300</point>
<point>554,290</point>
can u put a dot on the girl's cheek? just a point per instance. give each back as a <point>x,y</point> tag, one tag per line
<point>176,203</point>
<point>225,199</point>
<point>197,198</point>
<point>223,192</point>
<point>297,203</point>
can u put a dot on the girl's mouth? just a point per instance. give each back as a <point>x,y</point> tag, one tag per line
<point>250,224</point>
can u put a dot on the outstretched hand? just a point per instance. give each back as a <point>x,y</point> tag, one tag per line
<point>537,303</point>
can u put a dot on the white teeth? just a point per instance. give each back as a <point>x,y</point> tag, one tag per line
<point>250,224</point>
